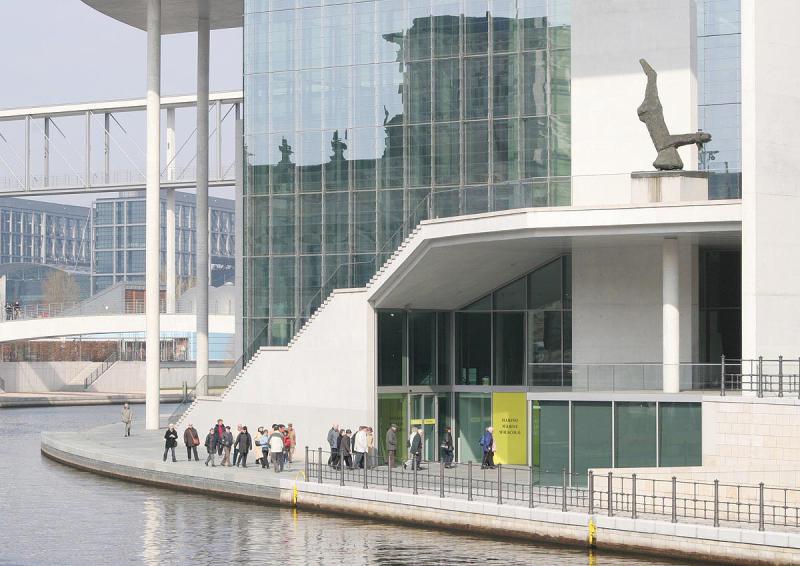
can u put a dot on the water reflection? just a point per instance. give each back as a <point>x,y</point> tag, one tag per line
<point>56,515</point>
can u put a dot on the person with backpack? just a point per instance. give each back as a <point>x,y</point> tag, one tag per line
<point>487,443</point>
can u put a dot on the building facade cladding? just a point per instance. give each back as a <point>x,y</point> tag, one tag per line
<point>46,233</point>
<point>118,243</point>
<point>720,93</point>
<point>364,118</point>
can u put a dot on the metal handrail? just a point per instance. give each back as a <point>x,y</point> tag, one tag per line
<point>95,375</point>
<point>704,502</point>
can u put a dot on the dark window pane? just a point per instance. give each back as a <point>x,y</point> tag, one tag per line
<point>535,138</point>
<point>476,200</point>
<point>391,332</point>
<point>311,224</point>
<point>545,287</point>
<point>283,284</point>
<point>364,221</point>
<point>511,297</point>
<point>550,447</point>
<point>534,83</point>
<point>421,335</point>
<point>476,152</point>
<point>444,333</point>
<point>506,150</point>
<point>419,91</point>
<point>505,80</point>
<point>283,224</point>
<point>475,344</point>
<point>476,87</point>
<point>509,348</point>
<point>476,26</point>
<point>681,432</point>
<point>447,140</point>
<point>635,435</point>
<point>336,222</point>
<point>591,438</point>
<point>448,90</point>
<point>419,155</point>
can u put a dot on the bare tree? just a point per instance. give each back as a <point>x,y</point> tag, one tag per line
<point>60,287</point>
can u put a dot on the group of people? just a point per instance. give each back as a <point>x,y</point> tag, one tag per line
<point>351,450</point>
<point>273,446</point>
<point>13,311</point>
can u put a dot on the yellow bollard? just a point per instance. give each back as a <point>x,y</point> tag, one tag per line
<point>592,534</point>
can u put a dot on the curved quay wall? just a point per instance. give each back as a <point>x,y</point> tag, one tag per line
<point>699,542</point>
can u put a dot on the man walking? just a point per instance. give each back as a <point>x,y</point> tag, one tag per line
<point>292,441</point>
<point>192,441</point>
<point>360,447</point>
<point>244,442</point>
<point>236,446</point>
<point>211,446</point>
<point>344,449</point>
<point>415,449</point>
<point>219,432</point>
<point>487,443</point>
<point>391,445</point>
<point>227,442</point>
<point>276,442</point>
<point>333,443</point>
<point>447,448</point>
<point>127,418</point>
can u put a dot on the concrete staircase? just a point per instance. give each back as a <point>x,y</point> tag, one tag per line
<point>404,246</point>
<point>76,384</point>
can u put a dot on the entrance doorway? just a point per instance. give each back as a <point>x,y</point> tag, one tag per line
<point>424,413</point>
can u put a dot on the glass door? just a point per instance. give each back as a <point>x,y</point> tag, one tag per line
<point>423,414</point>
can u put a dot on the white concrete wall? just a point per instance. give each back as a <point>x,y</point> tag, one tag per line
<point>41,377</point>
<point>770,173</point>
<point>617,304</point>
<point>608,140</point>
<point>129,377</point>
<point>326,377</point>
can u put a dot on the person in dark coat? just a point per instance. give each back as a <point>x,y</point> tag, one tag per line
<point>219,432</point>
<point>415,449</point>
<point>211,446</point>
<point>170,441</point>
<point>391,445</point>
<point>447,448</point>
<point>344,449</point>
<point>244,442</point>
<point>333,443</point>
<point>192,441</point>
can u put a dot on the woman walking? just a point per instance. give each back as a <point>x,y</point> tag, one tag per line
<point>170,441</point>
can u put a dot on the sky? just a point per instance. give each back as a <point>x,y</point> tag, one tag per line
<point>63,51</point>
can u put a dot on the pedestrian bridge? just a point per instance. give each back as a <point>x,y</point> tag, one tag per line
<point>51,327</point>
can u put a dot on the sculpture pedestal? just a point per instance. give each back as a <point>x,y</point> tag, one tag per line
<point>668,186</point>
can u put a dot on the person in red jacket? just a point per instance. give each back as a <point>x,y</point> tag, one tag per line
<point>287,445</point>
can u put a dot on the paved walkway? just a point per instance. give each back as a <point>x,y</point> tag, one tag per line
<point>71,398</point>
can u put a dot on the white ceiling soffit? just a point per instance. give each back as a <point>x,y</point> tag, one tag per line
<point>177,16</point>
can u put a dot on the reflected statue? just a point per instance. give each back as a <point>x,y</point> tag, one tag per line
<point>652,114</point>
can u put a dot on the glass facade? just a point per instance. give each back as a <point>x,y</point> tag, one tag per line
<point>720,94</point>
<point>520,334</point>
<point>119,241</point>
<point>363,118</point>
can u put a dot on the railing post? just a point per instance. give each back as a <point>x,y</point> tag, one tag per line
<point>591,492</point>
<point>633,496</point>
<point>341,469</point>
<point>760,376</point>
<point>722,375</point>
<point>530,488</point>
<point>761,506</point>
<point>499,484</point>
<point>716,503</point>
<point>306,465</point>
<point>388,478</point>
<point>610,494</point>
<point>366,468</point>
<point>416,469</point>
<point>469,481</point>
<point>674,499</point>
<point>780,375</point>
<point>563,489</point>
<point>319,463</point>
<point>441,478</point>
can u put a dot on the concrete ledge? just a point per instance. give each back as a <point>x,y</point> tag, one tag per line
<point>642,536</point>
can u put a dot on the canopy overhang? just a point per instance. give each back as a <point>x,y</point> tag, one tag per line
<point>177,16</point>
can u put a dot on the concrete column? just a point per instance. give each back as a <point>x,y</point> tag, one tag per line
<point>671,333</point>
<point>201,214</point>
<point>153,217</point>
<point>170,259</point>
<point>238,339</point>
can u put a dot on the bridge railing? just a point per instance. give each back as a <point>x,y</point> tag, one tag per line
<point>32,311</point>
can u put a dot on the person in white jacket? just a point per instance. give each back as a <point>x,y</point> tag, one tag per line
<point>360,447</point>
<point>276,448</point>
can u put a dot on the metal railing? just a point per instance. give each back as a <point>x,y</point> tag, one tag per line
<point>715,503</point>
<point>766,377</point>
<point>632,376</point>
<point>36,311</point>
<point>100,370</point>
<point>2,384</point>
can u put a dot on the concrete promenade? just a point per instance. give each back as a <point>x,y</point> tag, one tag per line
<point>103,450</point>
<point>69,399</point>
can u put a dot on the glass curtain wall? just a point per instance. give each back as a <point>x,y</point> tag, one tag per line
<point>363,118</point>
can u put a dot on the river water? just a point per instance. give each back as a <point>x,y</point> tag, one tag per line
<point>52,514</point>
